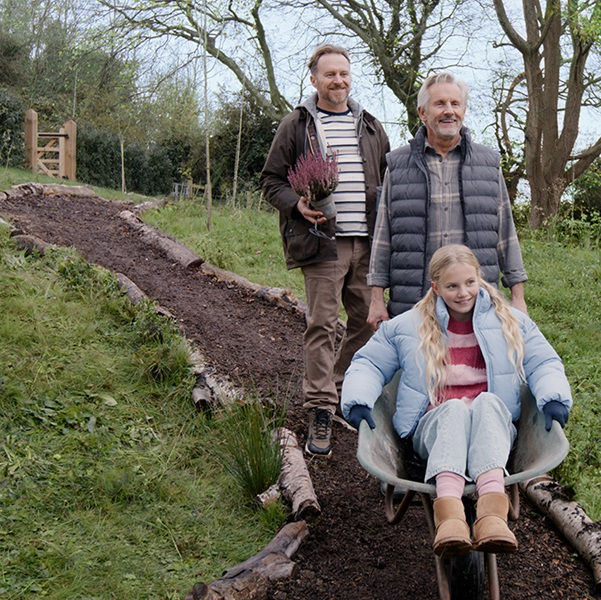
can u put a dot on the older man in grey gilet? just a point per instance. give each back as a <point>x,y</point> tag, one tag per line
<point>442,188</point>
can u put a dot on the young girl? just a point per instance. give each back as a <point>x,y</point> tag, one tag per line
<point>463,352</point>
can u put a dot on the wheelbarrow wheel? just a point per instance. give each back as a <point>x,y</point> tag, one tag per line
<point>466,574</point>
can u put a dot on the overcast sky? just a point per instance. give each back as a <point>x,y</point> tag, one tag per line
<point>289,31</point>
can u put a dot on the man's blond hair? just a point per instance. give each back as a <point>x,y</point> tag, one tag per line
<point>326,49</point>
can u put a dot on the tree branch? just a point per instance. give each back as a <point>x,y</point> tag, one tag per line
<point>281,104</point>
<point>515,38</point>
<point>177,19</point>
<point>583,160</point>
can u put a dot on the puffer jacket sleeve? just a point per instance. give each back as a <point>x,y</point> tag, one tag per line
<point>372,367</point>
<point>543,368</point>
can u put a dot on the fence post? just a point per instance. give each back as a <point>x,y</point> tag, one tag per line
<point>70,161</point>
<point>31,140</point>
<point>61,152</point>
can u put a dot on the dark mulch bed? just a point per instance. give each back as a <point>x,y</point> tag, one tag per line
<point>351,552</point>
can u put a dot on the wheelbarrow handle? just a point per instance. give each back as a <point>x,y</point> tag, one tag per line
<point>394,515</point>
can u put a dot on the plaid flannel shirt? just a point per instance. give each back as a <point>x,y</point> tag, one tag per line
<point>445,221</point>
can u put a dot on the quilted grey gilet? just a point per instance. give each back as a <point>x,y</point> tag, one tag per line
<point>410,198</point>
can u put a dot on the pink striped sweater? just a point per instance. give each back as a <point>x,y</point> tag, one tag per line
<point>466,372</point>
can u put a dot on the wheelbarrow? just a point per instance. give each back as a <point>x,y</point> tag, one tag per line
<point>383,454</point>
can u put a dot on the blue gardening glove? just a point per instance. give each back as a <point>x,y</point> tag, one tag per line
<point>359,413</point>
<point>555,411</point>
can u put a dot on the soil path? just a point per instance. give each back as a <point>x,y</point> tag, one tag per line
<point>351,553</point>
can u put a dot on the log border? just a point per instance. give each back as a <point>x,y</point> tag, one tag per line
<point>583,534</point>
<point>252,577</point>
<point>544,493</point>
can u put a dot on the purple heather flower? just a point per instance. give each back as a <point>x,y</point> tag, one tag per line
<point>314,176</point>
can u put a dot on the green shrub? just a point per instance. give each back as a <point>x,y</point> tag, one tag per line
<point>569,227</point>
<point>137,169</point>
<point>98,157</point>
<point>161,171</point>
<point>587,191</point>
<point>14,60</point>
<point>12,115</point>
<point>149,172</point>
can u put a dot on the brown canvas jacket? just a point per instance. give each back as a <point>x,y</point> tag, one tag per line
<point>295,136</point>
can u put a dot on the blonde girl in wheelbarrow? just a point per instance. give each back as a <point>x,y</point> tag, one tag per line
<point>463,353</point>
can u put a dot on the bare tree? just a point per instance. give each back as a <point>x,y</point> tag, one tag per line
<point>205,88</point>
<point>559,40</point>
<point>510,121</point>
<point>211,25</point>
<point>401,37</point>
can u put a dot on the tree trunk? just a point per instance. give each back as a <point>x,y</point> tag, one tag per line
<point>554,99</point>
<point>545,198</point>
<point>237,156</point>
<point>122,148</point>
<point>251,578</point>
<point>512,181</point>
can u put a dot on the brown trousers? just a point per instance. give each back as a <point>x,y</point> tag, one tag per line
<point>326,285</point>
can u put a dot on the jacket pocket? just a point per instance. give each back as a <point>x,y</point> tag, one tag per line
<point>300,243</point>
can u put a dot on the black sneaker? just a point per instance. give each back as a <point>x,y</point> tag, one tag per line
<point>320,432</point>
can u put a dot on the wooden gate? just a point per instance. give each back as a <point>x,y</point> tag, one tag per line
<point>50,153</point>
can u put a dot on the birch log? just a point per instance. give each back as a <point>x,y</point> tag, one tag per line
<point>568,516</point>
<point>31,244</point>
<point>269,496</point>
<point>280,296</point>
<point>251,578</point>
<point>174,250</point>
<point>133,292</point>
<point>295,480</point>
<point>48,189</point>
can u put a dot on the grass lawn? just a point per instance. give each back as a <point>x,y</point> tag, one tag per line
<point>564,298</point>
<point>12,176</point>
<point>110,485</point>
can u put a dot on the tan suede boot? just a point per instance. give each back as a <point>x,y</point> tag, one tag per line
<point>491,533</point>
<point>452,531</point>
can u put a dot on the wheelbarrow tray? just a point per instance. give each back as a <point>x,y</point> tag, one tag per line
<point>535,452</point>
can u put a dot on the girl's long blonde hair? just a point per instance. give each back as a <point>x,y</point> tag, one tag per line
<point>433,343</point>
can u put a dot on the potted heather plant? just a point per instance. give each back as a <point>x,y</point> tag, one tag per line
<point>315,177</point>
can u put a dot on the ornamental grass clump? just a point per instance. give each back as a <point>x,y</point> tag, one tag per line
<point>315,177</point>
<point>248,451</point>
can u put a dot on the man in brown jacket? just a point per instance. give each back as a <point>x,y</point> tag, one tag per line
<point>334,258</point>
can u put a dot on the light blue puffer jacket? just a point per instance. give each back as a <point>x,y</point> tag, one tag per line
<point>394,346</point>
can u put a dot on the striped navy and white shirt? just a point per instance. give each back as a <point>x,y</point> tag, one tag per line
<point>349,195</point>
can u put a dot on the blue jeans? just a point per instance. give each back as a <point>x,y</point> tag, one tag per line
<point>467,440</point>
